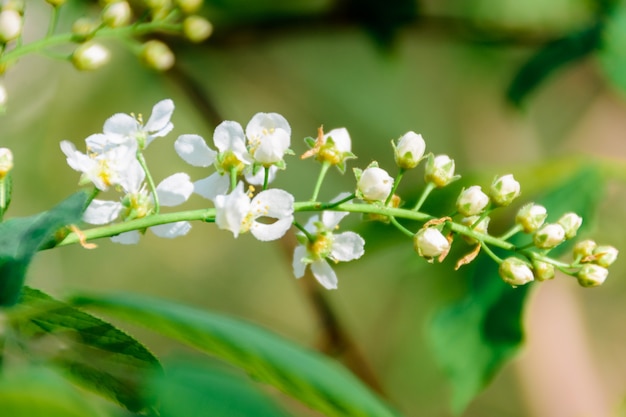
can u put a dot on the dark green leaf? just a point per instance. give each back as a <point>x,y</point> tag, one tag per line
<point>551,57</point>
<point>94,353</point>
<point>21,238</point>
<point>612,54</point>
<point>40,392</point>
<point>307,376</point>
<point>195,389</point>
<point>474,337</point>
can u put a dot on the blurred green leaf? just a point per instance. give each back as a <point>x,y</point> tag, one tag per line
<point>307,376</point>
<point>94,353</point>
<point>550,58</point>
<point>21,238</point>
<point>474,337</point>
<point>40,392</point>
<point>612,53</point>
<point>194,389</point>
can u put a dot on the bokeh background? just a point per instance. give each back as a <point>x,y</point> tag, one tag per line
<point>440,68</point>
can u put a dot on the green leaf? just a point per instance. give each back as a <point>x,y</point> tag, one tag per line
<point>551,57</point>
<point>21,238</point>
<point>474,337</point>
<point>40,392</point>
<point>95,354</point>
<point>612,54</point>
<point>194,389</point>
<point>307,376</point>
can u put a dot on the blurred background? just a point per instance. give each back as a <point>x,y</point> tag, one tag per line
<point>450,70</point>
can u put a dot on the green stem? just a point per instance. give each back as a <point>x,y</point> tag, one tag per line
<point>489,252</point>
<point>233,178</point>
<point>320,179</point>
<point>266,177</point>
<point>514,230</point>
<point>395,185</point>
<point>54,20</point>
<point>155,196</point>
<point>401,228</point>
<point>308,235</point>
<point>429,188</point>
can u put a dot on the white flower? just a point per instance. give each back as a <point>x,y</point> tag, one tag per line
<point>472,201</point>
<point>238,213</point>
<point>259,177</point>
<point>409,150</point>
<point>374,184</point>
<point>504,190</point>
<point>104,169</point>
<point>129,127</point>
<point>515,272</point>
<point>327,246</point>
<point>430,243</point>
<point>269,136</point>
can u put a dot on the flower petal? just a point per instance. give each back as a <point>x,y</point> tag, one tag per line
<point>341,138</point>
<point>194,150</point>
<point>231,210</point>
<point>212,186</point>
<point>276,230</point>
<point>259,177</point>
<point>228,135</point>
<point>127,238</point>
<point>171,230</point>
<point>347,246</point>
<point>274,203</point>
<point>121,124</point>
<point>174,190</point>
<point>159,121</point>
<point>324,274</point>
<point>102,212</point>
<point>298,266</point>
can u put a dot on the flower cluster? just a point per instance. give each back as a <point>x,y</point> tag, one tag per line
<point>246,161</point>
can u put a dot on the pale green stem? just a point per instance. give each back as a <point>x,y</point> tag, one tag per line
<point>514,230</point>
<point>266,177</point>
<point>233,178</point>
<point>308,235</point>
<point>489,252</point>
<point>401,228</point>
<point>54,20</point>
<point>427,190</point>
<point>320,180</point>
<point>155,196</point>
<point>395,185</point>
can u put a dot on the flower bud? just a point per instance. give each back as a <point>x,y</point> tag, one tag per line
<point>56,3</point>
<point>157,55</point>
<point>90,56</point>
<point>481,227</point>
<point>374,184</point>
<point>189,6</point>
<point>571,222</point>
<point>472,201</point>
<point>584,248</point>
<point>605,255</point>
<point>549,235</point>
<point>591,275</point>
<point>515,272</point>
<point>10,25</point>
<point>430,243</point>
<point>197,29</point>
<point>440,170</point>
<point>17,5</point>
<point>409,150</point>
<point>531,217</point>
<point>6,162</point>
<point>504,190</point>
<point>84,27</point>
<point>3,98</point>
<point>116,14</point>
<point>543,271</point>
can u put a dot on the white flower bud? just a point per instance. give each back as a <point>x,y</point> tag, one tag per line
<point>116,14</point>
<point>189,6</point>
<point>3,98</point>
<point>504,190</point>
<point>6,162</point>
<point>584,248</point>
<point>605,255</point>
<point>374,184</point>
<point>440,170</point>
<point>543,271</point>
<point>197,29</point>
<point>10,25</point>
<point>515,272</point>
<point>17,5</point>
<point>531,217</point>
<point>481,227</point>
<point>430,243</point>
<point>549,235</point>
<point>409,150</point>
<point>90,56</point>
<point>591,275</point>
<point>571,222</point>
<point>472,201</point>
<point>84,27</point>
<point>157,55</point>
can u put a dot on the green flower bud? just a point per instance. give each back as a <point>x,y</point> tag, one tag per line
<point>531,217</point>
<point>10,25</point>
<point>543,271</point>
<point>571,222</point>
<point>440,170</point>
<point>515,272</point>
<point>605,255</point>
<point>584,248</point>
<point>409,150</point>
<point>84,27</point>
<point>197,29</point>
<point>504,190</point>
<point>116,14</point>
<point>481,227</point>
<point>189,6</point>
<point>16,5</point>
<point>549,236</point>
<point>157,55</point>
<point>591,275</point>
<point>56,3</point>
<point>472,201</point>
<point>430,243</point>
<point>90,56</point>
